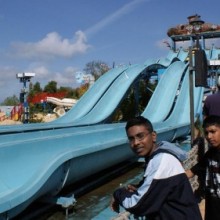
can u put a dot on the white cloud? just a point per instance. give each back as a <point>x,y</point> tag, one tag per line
<point>63,79</point>
<point>53,45</point>
<point>125,9</point>
<point>41,71</point>
<point>66,78</point>
<point>71,70</point>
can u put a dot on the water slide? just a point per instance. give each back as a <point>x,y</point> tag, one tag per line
<point>118,77</point>
<point>94,100</point>
<point>109,101</point>
<point>215,54</point>
<point>171,57</point>
<point>171,78</point>
<point>159,105</point>
<point>92,107</point>
<point>50,159</point>
<point>62,102</point>
<point>113,78</point>
<point>90,98</point>
<point>178,124</point>
<point>106,105</point>
<point>182,55</point>
<point>84,105</point>
<point>208,53</point>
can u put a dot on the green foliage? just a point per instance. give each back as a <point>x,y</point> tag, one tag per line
<point>34,89</point>
<point>51,87</point>
<point>11,101</point>
<point>70,93</point>
<point>37,87</point>
<point>129,107</point>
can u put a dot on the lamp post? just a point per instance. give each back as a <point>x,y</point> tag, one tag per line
<point>195,27</point>
<point>24,78</point>
<point>191,95</point>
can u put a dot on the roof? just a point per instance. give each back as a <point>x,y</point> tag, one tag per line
<point>204,35</point>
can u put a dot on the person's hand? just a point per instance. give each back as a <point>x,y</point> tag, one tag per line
<point>189,174</point>
<point>114,205</point>
<point>131,188</point>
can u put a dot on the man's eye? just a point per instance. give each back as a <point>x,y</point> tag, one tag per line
<point>140,136</point>
<point>130,139</point>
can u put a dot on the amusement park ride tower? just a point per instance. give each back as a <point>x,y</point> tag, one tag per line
<point>199,64</point>
<point>24,78</point>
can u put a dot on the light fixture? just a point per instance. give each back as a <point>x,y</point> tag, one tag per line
<point>196,22</point>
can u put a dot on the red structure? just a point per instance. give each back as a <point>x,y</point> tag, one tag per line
<point>42,97</point>
<point>16,112</point>
<point>186,29</point>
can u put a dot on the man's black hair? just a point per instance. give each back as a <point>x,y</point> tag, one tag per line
<point>211,120</point>
<point>139,120</point>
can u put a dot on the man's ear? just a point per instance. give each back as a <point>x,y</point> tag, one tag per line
<point>154,136</point>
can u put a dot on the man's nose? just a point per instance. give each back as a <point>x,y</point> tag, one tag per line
<point>136,141</point>
<point>209,135</point>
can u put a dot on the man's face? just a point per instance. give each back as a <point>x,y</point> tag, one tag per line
<point>212,135</point>
<point>141,140</point>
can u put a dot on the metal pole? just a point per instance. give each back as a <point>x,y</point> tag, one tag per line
<point>191,94</point>
<point>26,108</point>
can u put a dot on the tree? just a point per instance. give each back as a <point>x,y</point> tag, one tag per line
<point>129,106</point>
<point>34,89</point>
<point>11,101</point>
<point>37,88</point>
<point>81,90</point>
<point>51,87</point>
<point>96,68</point>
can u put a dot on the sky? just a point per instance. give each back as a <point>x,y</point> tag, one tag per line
<point>55,39</point>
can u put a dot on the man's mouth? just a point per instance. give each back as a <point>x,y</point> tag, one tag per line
<point>139,150</point>
<point>213,143</point>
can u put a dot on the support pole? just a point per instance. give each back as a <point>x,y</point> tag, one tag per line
<point>191,95</point>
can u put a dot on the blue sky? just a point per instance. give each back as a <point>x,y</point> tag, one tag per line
<point>56,38</point>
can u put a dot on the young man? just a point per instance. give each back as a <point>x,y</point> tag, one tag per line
<point>165,192</point>
<point>209,168</point>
